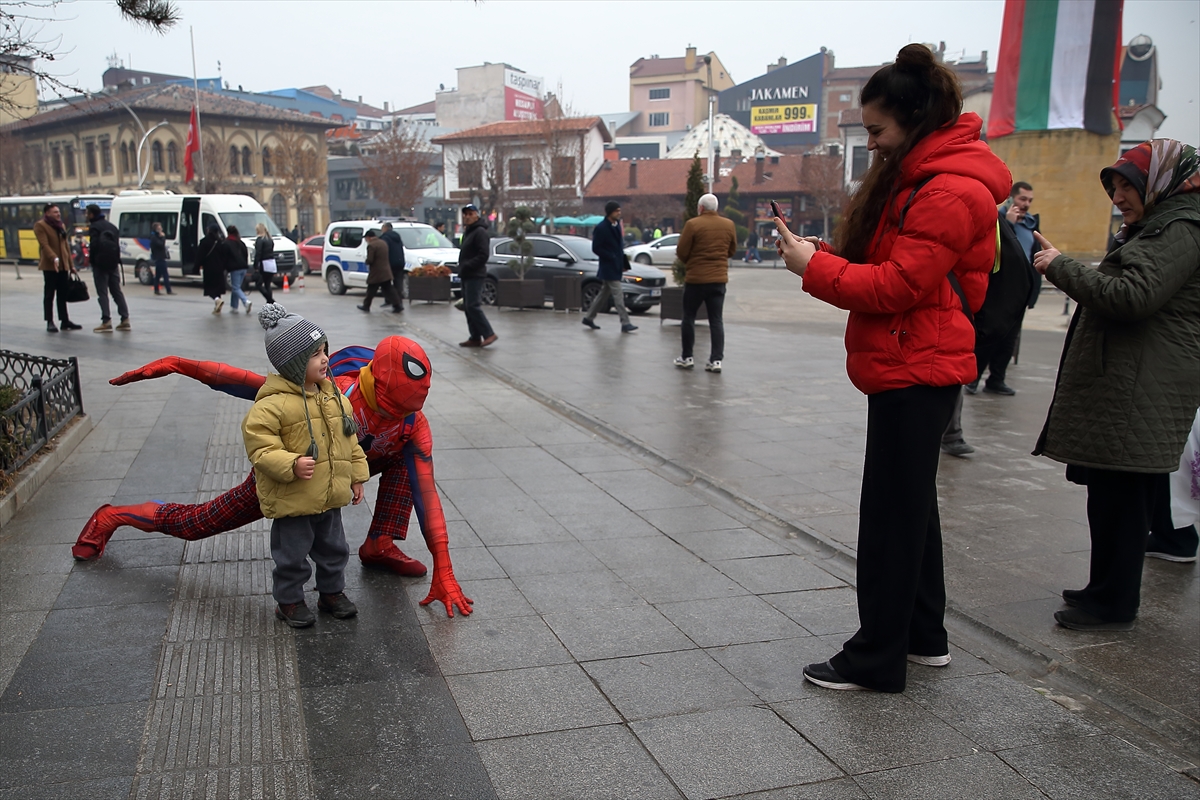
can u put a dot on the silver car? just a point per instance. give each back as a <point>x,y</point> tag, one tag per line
<point>660,251</point>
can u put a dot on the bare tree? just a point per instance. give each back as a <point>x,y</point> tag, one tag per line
<point>22,168</point>
<point>481,166</point>
<point>822,177</point>
<point>300,170</point>
<point>216,178</point>
<point>558,157</point>
<point>397,167</point>
<point>24,40</point>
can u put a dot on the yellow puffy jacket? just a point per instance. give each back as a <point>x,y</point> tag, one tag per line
<point>276,434</point>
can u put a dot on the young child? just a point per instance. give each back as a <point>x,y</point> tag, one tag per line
<point>301,438</point>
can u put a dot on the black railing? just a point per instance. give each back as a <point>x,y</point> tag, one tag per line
<point>50,397</point>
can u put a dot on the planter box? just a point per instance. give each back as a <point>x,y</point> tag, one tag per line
<point>568,293</point>
<point>514,293</point>
<point>672,305</point>
<point>431,290</point>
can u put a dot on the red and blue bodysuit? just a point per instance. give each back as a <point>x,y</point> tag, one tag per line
<point>387,388</point>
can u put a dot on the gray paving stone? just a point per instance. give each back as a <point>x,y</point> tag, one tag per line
<point>726,544</point>
<point>820,611</point>
<point>623,524</point>
<point>614,632</point>
<point>837,789</point>
<point>678,582</point>
<point>90,628</point>
<point>91,584</point>
<point>492,598</point>
<point>545,558</point>
<point>867,731</point>
<point>642,490</point>
<point>997,712</point>
<point>417,774</point>
<point>662,684</point>
<point>604,763</point>
<point>961,665</point>
<point>525,701</point>
<point>774,670</point>
<point>754,750</point>
<point>689,519</point>
<point>1097,766</point>
<point>771,574</point>
<point>492,644</point>
<point>31,593</point>
<point>474,564</point>
<point>403,713</point>
<point>981,777</point>
<point>628,555</point>
<point>730,620</point>
<point>32,752</point>
<point>591,590</point>
<point>147,550</point>
<point>34,559</point>
<point>116,788</point>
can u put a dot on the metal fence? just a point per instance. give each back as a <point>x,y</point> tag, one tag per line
<point>50,397</point>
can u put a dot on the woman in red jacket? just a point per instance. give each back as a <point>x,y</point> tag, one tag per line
<point>911,261</point>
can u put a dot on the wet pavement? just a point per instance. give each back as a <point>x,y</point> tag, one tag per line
<point>654,556</point>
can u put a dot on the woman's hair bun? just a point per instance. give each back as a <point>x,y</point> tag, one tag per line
<point>915,58</point>
<point>270,314</point>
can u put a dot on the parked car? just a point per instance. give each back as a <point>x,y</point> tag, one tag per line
<point>571,256</point>
<point>343,258</point>
<point>312,254</point>
<point>660,251</point>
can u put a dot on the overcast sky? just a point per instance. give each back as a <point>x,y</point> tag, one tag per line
<point>400,51</point>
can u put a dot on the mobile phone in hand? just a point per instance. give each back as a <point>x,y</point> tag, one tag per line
<point>775,209</point>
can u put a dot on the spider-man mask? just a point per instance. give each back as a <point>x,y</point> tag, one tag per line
<point>401,371</point>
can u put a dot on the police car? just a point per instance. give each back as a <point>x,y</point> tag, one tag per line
<point>344,257</point>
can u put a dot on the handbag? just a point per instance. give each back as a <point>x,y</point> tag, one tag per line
<point>627,266</point>
<point>76,291</point>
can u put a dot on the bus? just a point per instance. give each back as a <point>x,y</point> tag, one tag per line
<point>18,215</point>
<point>184,219</point>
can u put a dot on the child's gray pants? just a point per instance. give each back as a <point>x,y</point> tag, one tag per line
<point>296,539</point>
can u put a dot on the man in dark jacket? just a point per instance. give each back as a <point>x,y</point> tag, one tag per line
<point>104,246</point>
<point>472,270</point>
<point>379,274</point>
<point>396,261</point>
<point>609,245</point>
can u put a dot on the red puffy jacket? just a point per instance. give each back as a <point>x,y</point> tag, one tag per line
<point>906,323</point>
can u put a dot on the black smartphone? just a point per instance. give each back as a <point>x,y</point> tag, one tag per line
<point>775,209</point>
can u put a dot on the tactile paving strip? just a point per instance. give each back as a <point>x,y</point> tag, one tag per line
<point>226,719</point>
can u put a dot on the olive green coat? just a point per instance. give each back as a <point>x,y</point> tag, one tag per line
<point>1129,381</point>
<point>276,434</point>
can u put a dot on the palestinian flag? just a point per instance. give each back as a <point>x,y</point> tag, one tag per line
<point>1059,66</point>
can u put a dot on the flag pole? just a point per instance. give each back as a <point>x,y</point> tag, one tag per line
<point>196,91</point>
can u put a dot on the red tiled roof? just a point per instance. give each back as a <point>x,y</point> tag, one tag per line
<point>849,116</point>
<point>668,176</point>
<point>653,67</point>
<point>166,97</point>
<point>515,129</point>
<point>422,108</point>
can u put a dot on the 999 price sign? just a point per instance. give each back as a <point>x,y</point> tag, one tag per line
<point>783,119</point>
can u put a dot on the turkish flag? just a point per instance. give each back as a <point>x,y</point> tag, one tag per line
<point>192,146</point>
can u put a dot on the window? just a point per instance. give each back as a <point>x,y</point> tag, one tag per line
<point>233,160</point>
<point>266,158</point>
<point>172,158</point>
<point>279,210</point>
<point>89,157</point>
<point>246,168</point>
<point>206,222</point>
<point>139,224</point>
<point>307,217</point>
<point>56,162</point>
<point>345,237</point>
<point>156,157</point>
<point>844,98</point>
<point>69,157</point>
<point>125,158</point>
<point>520,172</point>
<point>860,159</point>
<point>544,248</point>
<point>743,104</point>
<point>342,187</point>
<point>562,171</point>
<point>106,158</point>
<point>660,94</point>
<point>470,174</point>
<point>660,119</point>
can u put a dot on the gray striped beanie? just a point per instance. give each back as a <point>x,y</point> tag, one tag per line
<point>291,341</point>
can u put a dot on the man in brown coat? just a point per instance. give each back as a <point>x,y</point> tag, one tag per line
<point>379,274</point>
<point>707,243</point>
<point>56,266</point>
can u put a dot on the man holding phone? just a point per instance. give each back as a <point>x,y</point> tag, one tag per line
<point>706,244</point>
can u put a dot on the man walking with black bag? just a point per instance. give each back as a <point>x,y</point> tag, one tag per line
<point>105,252</point>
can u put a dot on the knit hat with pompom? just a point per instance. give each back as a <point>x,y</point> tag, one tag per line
<point>291,341</point>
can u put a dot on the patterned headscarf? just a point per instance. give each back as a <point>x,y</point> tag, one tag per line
<point>1158,169</point>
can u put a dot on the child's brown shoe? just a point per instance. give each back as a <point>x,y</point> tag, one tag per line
<point>337,604</point>
<point>295,614</point>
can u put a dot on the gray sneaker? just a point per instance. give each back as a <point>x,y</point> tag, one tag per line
<point>959,448</point>
<point>685,363</point>
<point>297,615</point>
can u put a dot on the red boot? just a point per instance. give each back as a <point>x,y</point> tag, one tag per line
<point>382,553</point>
<point>100,528</point>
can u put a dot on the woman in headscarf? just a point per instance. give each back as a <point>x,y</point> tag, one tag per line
<point>212,256</point>
<point>1129,380</point>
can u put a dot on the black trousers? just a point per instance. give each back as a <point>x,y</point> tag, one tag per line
<point>901,589</point>
<point>54,289</point>
<point>264,284</point>
<point>712,296</point>
<point>993,354</point>
<point>385,288</point>
<point>1120,509</point>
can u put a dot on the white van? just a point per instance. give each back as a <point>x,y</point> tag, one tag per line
<point>344,257</point>
<point>184,219</point>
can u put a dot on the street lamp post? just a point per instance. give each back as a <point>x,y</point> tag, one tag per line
<point>709,176</point>
<point>143,173</point>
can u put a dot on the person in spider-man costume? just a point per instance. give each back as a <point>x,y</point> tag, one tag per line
<point>387,388</point>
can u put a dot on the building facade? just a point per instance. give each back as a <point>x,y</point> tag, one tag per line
<point>490,93</point>
<point>784,106</point>
<point>672,93</point>
<point>104,145</point>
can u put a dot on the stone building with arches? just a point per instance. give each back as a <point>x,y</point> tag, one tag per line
<point>110,142</point>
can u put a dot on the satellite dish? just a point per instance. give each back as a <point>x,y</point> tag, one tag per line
<point>1140,47</point>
